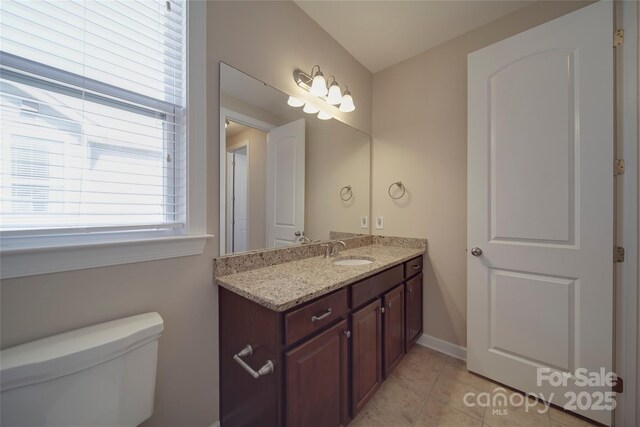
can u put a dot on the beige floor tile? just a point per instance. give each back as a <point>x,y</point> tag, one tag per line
<point>374,416</point>
<point>451,392</point>
<point>436,414</point>
<point>427,357</point>
<point>457,370</point>
<point>398,399</point>
<point>418,375</point>
<point>567,419</point>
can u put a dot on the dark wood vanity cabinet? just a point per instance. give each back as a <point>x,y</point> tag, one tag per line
<point>394,328</point>
<point>366,367</point>
<point>324,359</point>
<point>317,380</point>
<point>413,317</point>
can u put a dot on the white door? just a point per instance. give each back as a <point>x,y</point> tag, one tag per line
<point>285,184</point>
<point>540,206</point>
<point>240,180</point>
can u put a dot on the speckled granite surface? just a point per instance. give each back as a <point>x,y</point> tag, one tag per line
<point>283,286</point>
<point>237,263</point>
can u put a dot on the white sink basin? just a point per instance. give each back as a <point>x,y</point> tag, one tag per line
<point>353,261</point>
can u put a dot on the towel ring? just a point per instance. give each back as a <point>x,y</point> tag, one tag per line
<point>346,190</point>
<point>400,185</point>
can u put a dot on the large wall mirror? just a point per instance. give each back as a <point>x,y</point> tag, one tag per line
<point>285,176</point>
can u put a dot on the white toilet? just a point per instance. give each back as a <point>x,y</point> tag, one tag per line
<point>102,375</point>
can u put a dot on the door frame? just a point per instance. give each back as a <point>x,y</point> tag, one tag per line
<point>244,144</point>
<point>245,120</point>
<point>627,219</point>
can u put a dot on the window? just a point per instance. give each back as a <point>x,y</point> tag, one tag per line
<point>93,104</point>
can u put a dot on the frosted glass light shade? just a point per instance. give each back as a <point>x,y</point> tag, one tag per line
<point>318,85</point>
<point>347,105</point>
<point>295,102</point>
<point>324,116</point>
<point>310,109</point>
<point>335,95</point>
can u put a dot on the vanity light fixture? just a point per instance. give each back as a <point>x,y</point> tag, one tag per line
<point>324,116</point>
<point>335,95</point>
<point>347,105</point>
<point>310,109</point>
<point>295,102</point>
<point>316,85</point>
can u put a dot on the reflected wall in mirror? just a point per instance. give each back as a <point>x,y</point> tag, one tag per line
<point>285,176</point>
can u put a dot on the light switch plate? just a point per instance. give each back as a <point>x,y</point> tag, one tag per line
<point>379,223</point>
<point>364,221</point>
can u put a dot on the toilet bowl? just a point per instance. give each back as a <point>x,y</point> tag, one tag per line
<point>101,375</point>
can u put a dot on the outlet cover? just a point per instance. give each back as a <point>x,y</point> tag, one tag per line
<point>364,221</point>
<point>379,222</point>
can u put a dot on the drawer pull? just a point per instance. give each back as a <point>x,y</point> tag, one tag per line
<point>267,368</point>
<point>324,316</point>
<point>415,267</point>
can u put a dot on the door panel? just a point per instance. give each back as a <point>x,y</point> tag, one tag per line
<point>540,204</point>
<point>366,367</point>
<point>285,184</point>
<point>413,307</point>
<point>317,380</point>
<point>393,303</point>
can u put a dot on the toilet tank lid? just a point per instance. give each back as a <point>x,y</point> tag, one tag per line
<point>73,351</point>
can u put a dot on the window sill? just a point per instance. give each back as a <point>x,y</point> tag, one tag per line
<point>53,259</point>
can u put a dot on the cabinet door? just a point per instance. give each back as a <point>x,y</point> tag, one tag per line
<point>317,380</point>
<point>366,368</point>
<point>393,303</point>
<point>414,311</point>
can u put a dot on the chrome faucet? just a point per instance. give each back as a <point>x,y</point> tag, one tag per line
<point>305,240</point>
<point>331,248</point>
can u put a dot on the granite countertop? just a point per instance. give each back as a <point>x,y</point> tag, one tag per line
<point>283,286</point>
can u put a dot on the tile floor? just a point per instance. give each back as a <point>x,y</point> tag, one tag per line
<point>427,389</point>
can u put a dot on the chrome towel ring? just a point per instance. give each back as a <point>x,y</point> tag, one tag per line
<point>401,186</point>
<point>346,191</point>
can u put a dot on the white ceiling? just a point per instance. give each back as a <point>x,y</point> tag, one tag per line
<point>382,33</point>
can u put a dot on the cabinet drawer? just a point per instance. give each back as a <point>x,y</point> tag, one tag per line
<point>412,267</point>
<point>374,286</point>
<point>314,316</point>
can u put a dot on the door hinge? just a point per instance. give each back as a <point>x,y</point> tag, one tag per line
<point>618,254</point>
<point>618,37</point>
<point>618,385</point>
<point>618,167</point>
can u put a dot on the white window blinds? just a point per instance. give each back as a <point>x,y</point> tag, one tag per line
<point>92,107</point>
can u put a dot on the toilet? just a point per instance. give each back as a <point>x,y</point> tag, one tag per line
<point>101,375</point>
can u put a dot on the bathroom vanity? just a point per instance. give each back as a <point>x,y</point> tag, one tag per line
<point>309,342</point>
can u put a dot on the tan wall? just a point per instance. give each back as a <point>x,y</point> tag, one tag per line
<point>336,155</point>
<point>420,138</point>
<point>273,40</point>
<point>256,184</point>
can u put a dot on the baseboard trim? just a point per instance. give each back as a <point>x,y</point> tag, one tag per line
<point>442,346</point>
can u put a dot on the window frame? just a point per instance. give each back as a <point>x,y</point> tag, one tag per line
<point>37,254</point>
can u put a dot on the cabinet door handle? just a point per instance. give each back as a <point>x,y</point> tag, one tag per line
<point>410,290</point>
<point>347,334</point>
<point>389,304</point>
<point>267,368</point>
<point>324,316</point>
<point>382,310</point>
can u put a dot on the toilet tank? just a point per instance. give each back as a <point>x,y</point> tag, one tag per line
<point>101,375</point>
